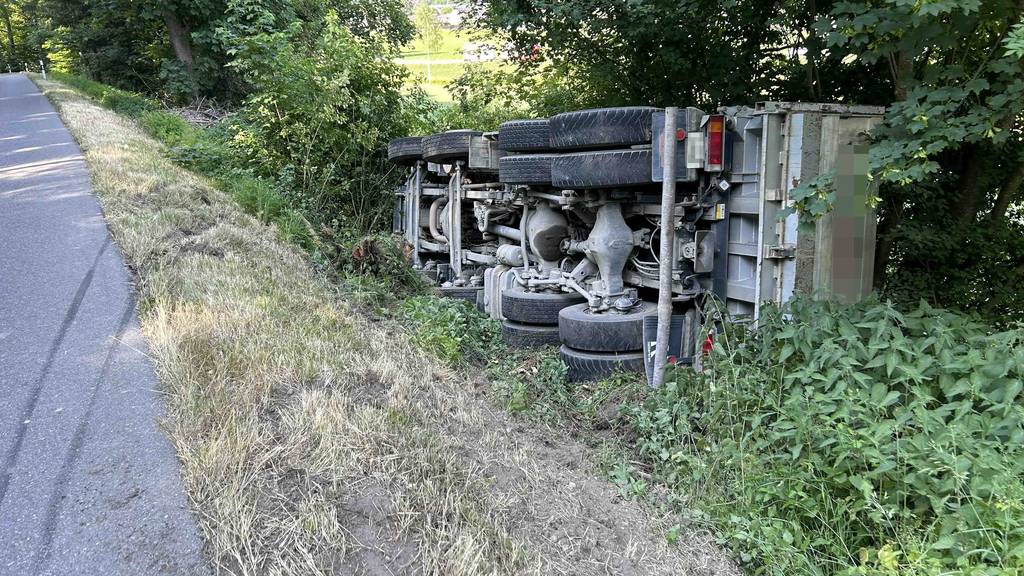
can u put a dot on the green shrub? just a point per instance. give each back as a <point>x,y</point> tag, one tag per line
<point>484,91</point>
<point>294,228</point>
<point>127,103</point>
<point>853,440</point>
<point>205,150</point>
<point>450,328</point>
<point>319,117</point>
<point>377,271</point>
<point>171,129</point>
<point>470,109</point>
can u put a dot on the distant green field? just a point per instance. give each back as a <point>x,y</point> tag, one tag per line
<point>451,46</point>
<point>440,74</point>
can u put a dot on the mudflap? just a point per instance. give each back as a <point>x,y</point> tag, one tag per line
<point>682,341</point>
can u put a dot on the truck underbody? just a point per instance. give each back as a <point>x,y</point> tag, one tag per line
<point>553,226</point>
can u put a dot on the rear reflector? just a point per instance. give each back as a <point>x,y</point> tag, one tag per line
<point>708,345</point>
<point>716,143</point>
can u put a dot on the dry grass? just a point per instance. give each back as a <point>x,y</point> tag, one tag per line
<point>315,441</point>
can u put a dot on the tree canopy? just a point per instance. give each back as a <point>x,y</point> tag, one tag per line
<point>182,48</point>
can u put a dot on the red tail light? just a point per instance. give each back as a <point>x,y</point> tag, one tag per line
<point>708,344</point>
<point>716,143</point>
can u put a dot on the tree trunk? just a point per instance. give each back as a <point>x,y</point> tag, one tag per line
<point>1009,191</point>
<point>972,197</point>
<point>901,67</point>
<point>5,12</point>
<point>180,39</point>
<point>883,244</point>
<point>970,193</point>
<point>813,46</point>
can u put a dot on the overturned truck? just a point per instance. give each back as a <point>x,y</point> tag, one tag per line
<point>552,226</point>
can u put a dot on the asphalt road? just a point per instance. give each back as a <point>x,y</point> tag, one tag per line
<point>89,484</point>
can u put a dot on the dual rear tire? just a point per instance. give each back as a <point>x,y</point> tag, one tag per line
<point>531,318</point>
<point>593,346</point>
<point>445,147</point>
<point>597,345</point>
<point>582,365</point>
<point>519,335</point>
<point>585,149</point>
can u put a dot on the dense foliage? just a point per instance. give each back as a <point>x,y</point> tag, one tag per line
<point>450,329</point>
<point>318,117</point>
<point>20,45</point>
<point>950,155</point>
<point>312,84</point>
<point>854,440</point>
<point>662,52</point>
<point>183,48</point>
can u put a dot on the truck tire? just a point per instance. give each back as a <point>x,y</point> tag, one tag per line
<point>538,308</point>
<point>580,329</point>
<point>524,136</point>
<point>467,293</point>
<point>601,169</point>
<point>527,335</point>
<point>602,128</point>
<point>451,145</point>
<point>405,151</point>
<point>526,169</point>
<point>596,365</point>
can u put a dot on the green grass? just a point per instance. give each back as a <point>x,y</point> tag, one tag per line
<point>452,42</point>
<point>440,74</point>
<point>206,151</point>
<point>121,101</point>
<point>528,381</point>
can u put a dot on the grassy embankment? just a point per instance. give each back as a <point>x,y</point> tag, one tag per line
<point>312,439</point>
